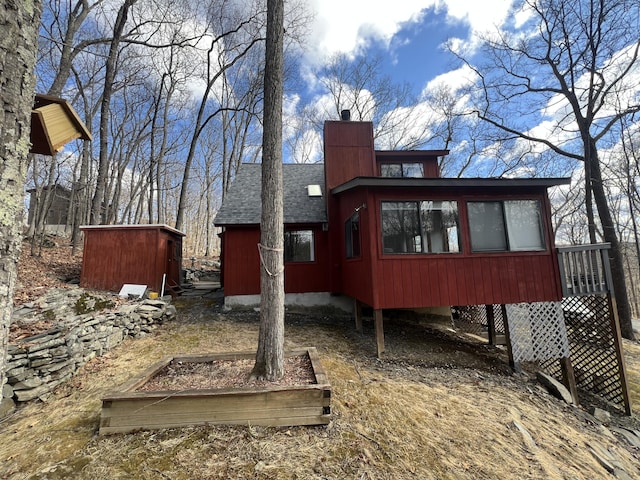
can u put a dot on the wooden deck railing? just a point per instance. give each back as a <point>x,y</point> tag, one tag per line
<point>585,269</point>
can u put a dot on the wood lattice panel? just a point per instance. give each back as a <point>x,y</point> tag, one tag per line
<point>537,331</point>
<point>593,349</point>
<point>473,319</point>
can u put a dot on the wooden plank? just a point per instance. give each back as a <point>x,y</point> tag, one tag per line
<point>622,371</point>
<point>145,375</point>
<point>273,422</point>
<point>318,369</point>
<point>357,308</point>
<point>200,398</point>
<point>491,323</point>
<point>569,378</point>
<point>377,316</point>
<point>507,329</point>
<point>188,417</point>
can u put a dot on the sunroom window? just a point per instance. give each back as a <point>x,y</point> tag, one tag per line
<point>409,170</point>
<point>298,246</point>
<point>510,225</point>
<point>428,226</point>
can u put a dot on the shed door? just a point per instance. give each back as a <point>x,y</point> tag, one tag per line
<point>174,261</point>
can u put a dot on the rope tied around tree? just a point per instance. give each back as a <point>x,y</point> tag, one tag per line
<point>262,262</point>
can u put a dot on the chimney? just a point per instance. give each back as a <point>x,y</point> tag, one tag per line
<point>345,115</point>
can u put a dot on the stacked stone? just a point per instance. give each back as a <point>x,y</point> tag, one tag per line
<point>38,364</point>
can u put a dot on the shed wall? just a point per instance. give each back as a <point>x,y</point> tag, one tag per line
<point>113,257</point>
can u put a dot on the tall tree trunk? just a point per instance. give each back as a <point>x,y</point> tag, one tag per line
<point>270,355</point>
<point>105,108</point>
<point>18,48</point>
<point>615,255</point>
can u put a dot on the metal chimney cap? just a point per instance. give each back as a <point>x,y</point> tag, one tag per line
<point>345,115</point>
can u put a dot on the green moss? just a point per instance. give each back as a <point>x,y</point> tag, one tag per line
<point>88,303</point>
<point>49,315</point>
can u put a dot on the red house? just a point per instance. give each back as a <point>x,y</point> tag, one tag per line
<point>384,229</point>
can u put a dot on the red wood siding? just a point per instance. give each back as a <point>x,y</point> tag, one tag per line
<point>460,280</point>
<point>241,261</point>
<point>300,277</point>
<point>242,264</point>
<point>423,280</point>
<point>113,256</point>
<point>356,273</point>
<point>348,152</point>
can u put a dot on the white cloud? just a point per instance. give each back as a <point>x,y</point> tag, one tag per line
<point>453,80</point>
<point>347,26</point>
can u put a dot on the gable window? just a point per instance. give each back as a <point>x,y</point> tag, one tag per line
<point>428,226</point>
<point>409,170</point>
<point>510,225</point>
<point>298,246</point>
<point>352,236</point>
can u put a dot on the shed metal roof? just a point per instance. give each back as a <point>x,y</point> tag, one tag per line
<point>242,204</point>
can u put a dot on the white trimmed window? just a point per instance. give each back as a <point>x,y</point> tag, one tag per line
<point>510,225</point>
<point>298,246</point>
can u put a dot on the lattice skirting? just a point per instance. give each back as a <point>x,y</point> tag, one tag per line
<point>473,319</point>
<point>592,341</point>
<point>537,331</point>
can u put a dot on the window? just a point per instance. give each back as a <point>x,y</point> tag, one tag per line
<point>511,225</point>
<point>409,170</point>
<point>429,226</point>
<point>352,236</point>
<point>298,246</point>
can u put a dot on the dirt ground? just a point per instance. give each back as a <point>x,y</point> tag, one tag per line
<point>439,405</point>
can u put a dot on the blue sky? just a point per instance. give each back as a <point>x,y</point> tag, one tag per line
<point>407,34</point>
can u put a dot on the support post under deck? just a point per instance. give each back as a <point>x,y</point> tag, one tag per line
<point>507,327</point>
<point>357,308</point>
<point>491,324</point>
<point>377,317</point>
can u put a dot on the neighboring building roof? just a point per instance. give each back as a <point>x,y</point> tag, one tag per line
<point>449,182</point>
<point>242,204</point>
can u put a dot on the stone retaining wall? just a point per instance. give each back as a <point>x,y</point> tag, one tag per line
<point>39,363</point>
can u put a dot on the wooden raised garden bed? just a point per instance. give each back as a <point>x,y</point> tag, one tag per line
<point>131,408</point>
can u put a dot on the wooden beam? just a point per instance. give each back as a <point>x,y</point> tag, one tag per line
<point>512,363</point>
<point>491,323</point>
<point>617,337</point>
<point>569,378</point>
<point>377,317</point>
<point>357,308</point>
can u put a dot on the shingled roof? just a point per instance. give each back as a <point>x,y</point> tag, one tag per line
<point>242,205</point>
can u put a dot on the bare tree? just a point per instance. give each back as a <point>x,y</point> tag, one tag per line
<point>110,73</point>
<point>360,86</point>
<point>270,355</point>
<point>235,36</point>
<point>18,49</point>
<point>575,61</point>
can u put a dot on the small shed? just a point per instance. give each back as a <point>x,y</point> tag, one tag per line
<point>137,254</point>
<point>56,218</point>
